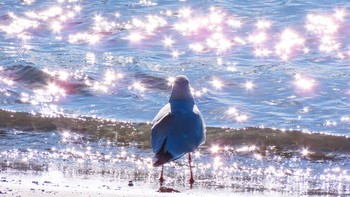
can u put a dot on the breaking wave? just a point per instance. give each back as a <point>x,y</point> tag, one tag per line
<point>131,132</point>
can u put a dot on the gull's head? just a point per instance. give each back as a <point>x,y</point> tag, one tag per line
<point>182,81</point>
<point>181,89</point>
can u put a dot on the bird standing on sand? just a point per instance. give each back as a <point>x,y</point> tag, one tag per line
<point>178,128</point>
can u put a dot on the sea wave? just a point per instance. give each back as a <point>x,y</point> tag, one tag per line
<point>31,77</point>
<point>279,141</point>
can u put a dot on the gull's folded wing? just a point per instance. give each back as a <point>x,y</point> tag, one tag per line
<point>160,128</point>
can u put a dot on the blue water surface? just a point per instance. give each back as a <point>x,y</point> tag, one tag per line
<point>308,89</point>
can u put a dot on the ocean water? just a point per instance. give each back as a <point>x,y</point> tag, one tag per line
<point>277,64</point>
<point>280,65</point>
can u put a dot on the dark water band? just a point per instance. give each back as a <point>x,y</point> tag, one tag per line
<point>128,132</point>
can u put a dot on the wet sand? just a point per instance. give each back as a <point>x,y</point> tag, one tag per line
<point>18,184</point>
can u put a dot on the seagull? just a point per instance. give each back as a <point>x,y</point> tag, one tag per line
<point>178,128</point>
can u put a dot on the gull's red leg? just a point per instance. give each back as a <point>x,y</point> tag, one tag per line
<point>191,174</point>
<point>161,179</point>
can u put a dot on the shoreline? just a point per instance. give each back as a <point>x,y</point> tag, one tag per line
<point>246,162</point>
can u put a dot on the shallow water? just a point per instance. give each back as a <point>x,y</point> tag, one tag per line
<point>242,169</point>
